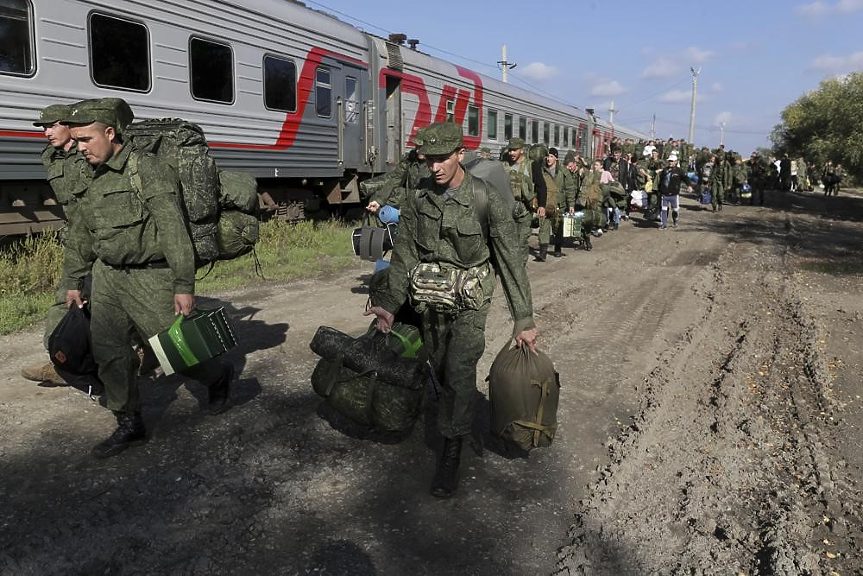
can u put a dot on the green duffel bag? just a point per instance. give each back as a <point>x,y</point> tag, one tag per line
<point>364,399</point>
<point>238,191</point>
<point>523,391</point>
<point>236,234</point>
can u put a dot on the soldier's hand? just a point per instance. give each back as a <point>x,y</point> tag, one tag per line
<point>528,338</point>
<point>184,304</point>
<point>540,211</point>
<point>385,319</point>
<point>373,207</point>
<point>74,296</point>
<point>572,210</point>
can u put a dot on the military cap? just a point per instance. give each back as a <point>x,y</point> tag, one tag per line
<point>553,152</point>
<point>52,114</point>
<point>485,149</point>
<point>570,157</point>
<point>109,111</point>
<point>515,143</point>
<point>440,138</point>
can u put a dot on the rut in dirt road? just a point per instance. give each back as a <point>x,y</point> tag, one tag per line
<point>724,470</point>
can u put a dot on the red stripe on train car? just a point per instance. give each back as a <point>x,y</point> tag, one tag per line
<point>21,134</point>
<point>293,120</point>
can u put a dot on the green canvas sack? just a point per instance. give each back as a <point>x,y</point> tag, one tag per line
<point>523,391</point>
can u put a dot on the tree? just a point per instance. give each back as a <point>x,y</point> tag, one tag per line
<point>826,124</point>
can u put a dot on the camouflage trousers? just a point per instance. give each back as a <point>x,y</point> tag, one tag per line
<point>552,224</point>
<point>455,343</point>
<point>124,302</point>
<point>718,197</point>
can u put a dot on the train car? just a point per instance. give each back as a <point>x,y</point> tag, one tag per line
<point>306,103</point>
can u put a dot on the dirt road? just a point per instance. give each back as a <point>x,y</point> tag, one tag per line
<point>710,423</point>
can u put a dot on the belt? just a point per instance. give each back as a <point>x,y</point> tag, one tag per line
<point>153,264</point>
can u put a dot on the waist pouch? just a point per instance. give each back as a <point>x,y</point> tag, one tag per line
<point>447,289</point>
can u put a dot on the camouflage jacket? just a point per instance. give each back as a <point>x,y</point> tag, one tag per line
<point>122,229</point>
<point>556,195</point>
<point>446,230</point>
<point>740,174</point>
<point>68,174</point>
<point>570,184</point>
<point>720,176</point>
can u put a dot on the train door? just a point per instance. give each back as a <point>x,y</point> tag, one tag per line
<point>394,120</point>
<point>351,126</point>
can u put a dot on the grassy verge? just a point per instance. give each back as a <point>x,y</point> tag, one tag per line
<point>30,270</point>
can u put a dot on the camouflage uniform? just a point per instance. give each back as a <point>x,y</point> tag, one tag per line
<point>68,174</point>
<point>141,255</point>
<point>443,227</point>
<point>559,199</point>
<point>720,181</point>
<point>526,187</point>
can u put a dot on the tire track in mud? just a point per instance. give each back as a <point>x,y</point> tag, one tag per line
<point>699,484</point>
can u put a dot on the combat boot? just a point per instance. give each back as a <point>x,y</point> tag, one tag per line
<point>543,251</point>
<point>44,373</point>
<point>129,432</point>
<point>587,244</point>
<point>558,251</point>
<point>220,391</point>
<point>445,480</point>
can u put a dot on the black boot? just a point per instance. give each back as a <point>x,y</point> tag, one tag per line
<point>220,391</point>
<point>543,251</point>
<point>129,432</point>
<point>445,480</point>
<point>587,244</point>
<point>558,251</point>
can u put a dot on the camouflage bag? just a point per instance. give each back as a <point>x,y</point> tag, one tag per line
<point>523,391</point>
<point>447,289</point>
<point>182,146</point>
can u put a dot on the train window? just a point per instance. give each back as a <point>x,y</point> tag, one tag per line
<point>472,121</point>
<point>507,126</point>
<point>534,132</point>
<point>323,93</point>
<point>352,100</point>
<point>491,124</point>
<point>566,136</point>
<point>16,40</point>
<point>280,84</point>
<point>450,110</point>
<point>557,135</point>
<point>119,53</point>
<point>522,128</point>
<point>546,133</point>
<point>212,70</point>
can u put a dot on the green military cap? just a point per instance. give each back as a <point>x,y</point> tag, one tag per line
<point>570,157</point>
<point>515,143</point>
<point>52,114</point>
<point>440,138</point>
<point>114,112</point>
<point>485,149</point>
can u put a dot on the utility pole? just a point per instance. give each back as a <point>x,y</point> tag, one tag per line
<point>653,128</point>
<point>505,66</point>
<point>695,74</point>
<point>721,133</point>
<point>611,112</point>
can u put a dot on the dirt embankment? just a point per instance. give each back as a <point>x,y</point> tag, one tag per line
<point>709,424</point>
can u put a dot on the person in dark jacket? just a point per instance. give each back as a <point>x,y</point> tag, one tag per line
<point>670,181</point>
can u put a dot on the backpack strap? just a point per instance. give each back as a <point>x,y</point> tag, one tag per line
<point>135,175</point>
<point>480,199</point>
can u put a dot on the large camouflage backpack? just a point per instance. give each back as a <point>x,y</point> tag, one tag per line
<point>204,189</point>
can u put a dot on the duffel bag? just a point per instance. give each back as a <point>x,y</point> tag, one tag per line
<point>523,390</point>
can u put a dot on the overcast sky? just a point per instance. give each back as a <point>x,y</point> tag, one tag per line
<point>756,56</point>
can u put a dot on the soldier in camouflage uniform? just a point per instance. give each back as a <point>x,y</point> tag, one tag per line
<point>142,260</point>
<point>558,201</point>
<point>390,188</point>
<point>720,181</point>
<point>739,177</point>
<point>68,175</point>
<point>527,185</point>
<point>440,229</point>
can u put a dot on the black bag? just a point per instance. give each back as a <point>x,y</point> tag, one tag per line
<point>523,391</point>
<point>71,351</point>
<point>69,345</point>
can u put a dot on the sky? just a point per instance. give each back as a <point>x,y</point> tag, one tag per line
<point>755,57</point>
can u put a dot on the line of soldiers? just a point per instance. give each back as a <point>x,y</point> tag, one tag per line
<point>130,244</point>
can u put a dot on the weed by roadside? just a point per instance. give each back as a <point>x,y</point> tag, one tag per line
<point>30,269</point>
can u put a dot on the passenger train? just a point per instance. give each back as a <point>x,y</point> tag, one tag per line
<point>306,103</point>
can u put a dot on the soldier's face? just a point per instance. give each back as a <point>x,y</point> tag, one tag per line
<point>551,160</point>
<point>444,167</point>
<point>58,135</point>
<point>95,142</point>
<point>515,155</point>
